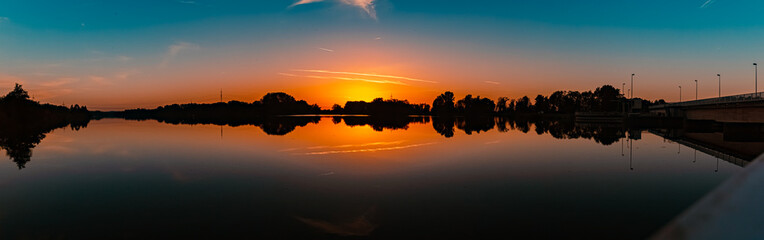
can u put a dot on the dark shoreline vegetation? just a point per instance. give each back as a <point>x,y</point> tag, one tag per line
<point>603,99</point>
<point>25,122</point>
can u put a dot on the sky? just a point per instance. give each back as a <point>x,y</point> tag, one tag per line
<point>112,55</point>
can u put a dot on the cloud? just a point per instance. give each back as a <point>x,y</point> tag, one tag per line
<point>365,75</point>
<point>188,2</point>
<point>301,2</point>
<point>59,82</point>
<point>707,3</point>
<point>125,74</point>
<point>124,58</point>
<point>492,82</point>
<point>366,5</point>
<point>9,80</point>
<point>175,49</point>
<point>4,19</point>
<point>326,49</point>
<point>348,79</point>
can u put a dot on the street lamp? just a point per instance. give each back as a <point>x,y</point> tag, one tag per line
<point>680,93</point>
<point>720,84</point>
<point>623,89</point>
<point>756,77</point>
<point>696,89</point>
<point>632,85</point>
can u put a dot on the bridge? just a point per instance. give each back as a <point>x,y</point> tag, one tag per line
<point>743,108</point>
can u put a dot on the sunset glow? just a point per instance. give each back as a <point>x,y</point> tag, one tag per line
<point>329,52</point>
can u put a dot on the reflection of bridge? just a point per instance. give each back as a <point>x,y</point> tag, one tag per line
<point>738,153</point>
<point>744,108</point>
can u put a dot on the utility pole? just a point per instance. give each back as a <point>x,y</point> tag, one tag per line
<point>221,95</point>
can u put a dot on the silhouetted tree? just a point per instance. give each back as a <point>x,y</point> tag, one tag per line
<point>444,104</point>
<point>501,105</point>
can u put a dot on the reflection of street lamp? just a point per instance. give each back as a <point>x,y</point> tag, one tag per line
<point>695,158</point>
<point>678,148</point>
<point>717,165</point>
<point>631,150</point>
<point>720,84</point>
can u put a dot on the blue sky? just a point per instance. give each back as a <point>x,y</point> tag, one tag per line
<point>61,49</point>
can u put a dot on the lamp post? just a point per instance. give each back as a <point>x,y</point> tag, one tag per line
<point>680,93</point>
<point>696,89</point>
<point>756,78</point>
<point>632,85</point>
<point>720,84</point>
<point>623,89</point>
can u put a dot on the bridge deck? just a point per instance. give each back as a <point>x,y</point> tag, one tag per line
<point>734,99</point>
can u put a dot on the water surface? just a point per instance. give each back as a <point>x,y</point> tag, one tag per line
<point>334,178</point>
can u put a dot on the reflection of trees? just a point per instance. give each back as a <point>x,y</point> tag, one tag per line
<point>566,129</point>
<point>379,123</point>
<point>284,125</point>
<point>271,125</point>
<point>557,128</point>
<point>444,126</point>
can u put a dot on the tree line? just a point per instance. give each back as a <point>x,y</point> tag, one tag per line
<point>602,99</point>
<point>24,123</point>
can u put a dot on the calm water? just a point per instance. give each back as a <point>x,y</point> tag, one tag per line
<point>327,179</point>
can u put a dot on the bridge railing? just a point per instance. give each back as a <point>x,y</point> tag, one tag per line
<point>748,97</point>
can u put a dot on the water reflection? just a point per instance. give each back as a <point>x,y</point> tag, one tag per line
<point>351,176</point>
<point>18,139</point>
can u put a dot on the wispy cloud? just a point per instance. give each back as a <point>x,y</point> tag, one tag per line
<point>175,49</point>
<point>97,79</point>
<point>6,80</point>
<point>366,5</point>
<point>188,2</point>
<point>492,82</point>
<point>59,82</point>
<point>301,2</point>
<point>4,19</point>
<point>346,79</point>
<point>326,49</point>
<point>365,75</point>
<point>707,3</point>
<point>122,75</point>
